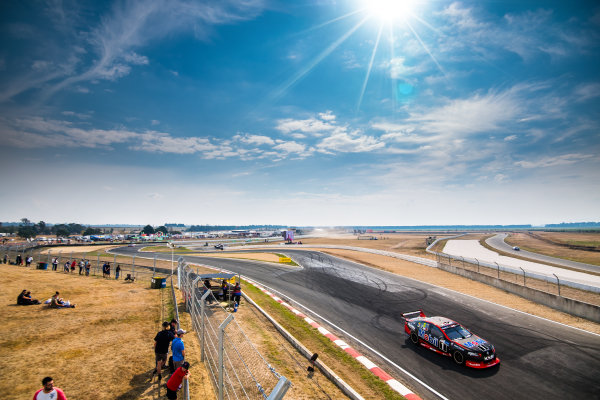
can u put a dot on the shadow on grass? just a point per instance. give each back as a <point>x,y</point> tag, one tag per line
<point>141,384</point>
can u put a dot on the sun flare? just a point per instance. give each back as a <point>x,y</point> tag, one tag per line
<point>389,10</point>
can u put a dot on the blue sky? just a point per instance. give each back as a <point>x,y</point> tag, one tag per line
<point>300,112</point>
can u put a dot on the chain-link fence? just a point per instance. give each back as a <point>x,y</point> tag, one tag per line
<point>235,365</point>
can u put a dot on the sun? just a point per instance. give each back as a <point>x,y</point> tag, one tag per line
<point>390,10</point>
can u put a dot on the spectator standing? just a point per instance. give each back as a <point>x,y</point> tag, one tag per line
<point>5,258</point>
<point>225,288</point>
<point>28,261</point>
<point>117,271</point>
<point>19,260</point>
<point>54,263</point>
<point>49,391</point>
<point>173,328</point>
<point>162,340</point>
<point>67,266</point>
<point>175,380</point>
<point>237,293</point>
<point>108,270</point>
<point>87,267</point>
<point>81,266</point>
<point>73,263</point>
<point>178,349</point>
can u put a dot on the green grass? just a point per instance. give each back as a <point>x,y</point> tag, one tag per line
<point>165,249</point>
<point>316,342</point>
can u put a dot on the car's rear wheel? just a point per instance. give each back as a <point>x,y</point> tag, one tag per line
<point>458,357</point>
<point>414,338</point>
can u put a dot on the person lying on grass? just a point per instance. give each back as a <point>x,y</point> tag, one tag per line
<point>58,302</point>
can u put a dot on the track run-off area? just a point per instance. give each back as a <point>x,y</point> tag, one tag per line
<point>363,306</point>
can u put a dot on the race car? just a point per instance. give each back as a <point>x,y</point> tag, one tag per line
<point>447,337</point>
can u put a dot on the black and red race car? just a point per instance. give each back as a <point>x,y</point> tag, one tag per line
<point>449,338</point>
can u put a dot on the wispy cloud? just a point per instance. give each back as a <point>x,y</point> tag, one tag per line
<point>113,46</point>
<point>565,159</point>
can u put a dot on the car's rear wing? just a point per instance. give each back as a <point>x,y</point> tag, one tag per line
<point>413,314</point>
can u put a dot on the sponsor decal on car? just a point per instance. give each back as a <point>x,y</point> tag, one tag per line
<point>474,343</point>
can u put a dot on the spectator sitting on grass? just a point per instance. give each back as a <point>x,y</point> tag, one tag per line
<point>24,299</point>
<point>20,300</point>
<point>49,391</point>
<point>58,302</point>
<point>28,300</point>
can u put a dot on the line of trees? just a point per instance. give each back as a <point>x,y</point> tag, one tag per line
<point>149,230</point>
<point>29,229</point>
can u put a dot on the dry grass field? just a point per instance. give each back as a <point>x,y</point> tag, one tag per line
<point>102,349</point>
<point>529,243</point>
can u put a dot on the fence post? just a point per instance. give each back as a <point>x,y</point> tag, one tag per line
<point>221,365</point>
<point>48,256</point>
<point>202,323</point>
<point>477,265</point>
<point>133,266</point>
<point>154,268</point>
<point>280,389</point>
<point>558,283</point>
<point>498,269</point>
<point>524,282</point>
<point>463,260</point>
<point>97,264</point>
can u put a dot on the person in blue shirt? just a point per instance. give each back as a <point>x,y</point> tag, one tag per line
<point>178,349</point>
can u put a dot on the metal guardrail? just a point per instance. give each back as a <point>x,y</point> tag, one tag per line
<point>237,369</point>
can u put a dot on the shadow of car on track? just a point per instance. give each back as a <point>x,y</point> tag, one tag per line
<point>434,360</point>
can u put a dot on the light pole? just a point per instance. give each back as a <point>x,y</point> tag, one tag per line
<point>172,246</point>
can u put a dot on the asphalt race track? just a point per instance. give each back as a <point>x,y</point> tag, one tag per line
<point>540,359</point>
<point>498,242</point>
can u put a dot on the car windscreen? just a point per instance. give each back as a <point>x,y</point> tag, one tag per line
<point>457,332</point>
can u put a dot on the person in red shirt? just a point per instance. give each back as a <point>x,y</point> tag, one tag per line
<point>49,392</point>
<point>175,380</point>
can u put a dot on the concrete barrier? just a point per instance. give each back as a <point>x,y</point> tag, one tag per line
<point>564,304</point>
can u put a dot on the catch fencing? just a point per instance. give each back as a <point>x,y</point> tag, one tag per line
<point>516,275</point>
<point>237,368</point>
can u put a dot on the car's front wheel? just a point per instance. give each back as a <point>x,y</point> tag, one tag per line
<point>414,338</point>
<point>458,357</point>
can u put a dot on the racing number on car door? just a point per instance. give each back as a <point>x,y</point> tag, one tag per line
<point>439,338</point>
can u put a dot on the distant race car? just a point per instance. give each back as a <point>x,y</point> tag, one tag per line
<point>449,338</point>
<point>516,248</point>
